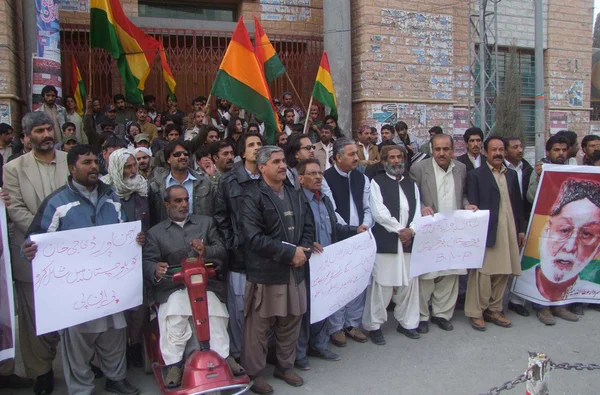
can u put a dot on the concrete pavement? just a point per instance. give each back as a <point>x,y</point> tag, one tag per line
<point>463,361</point>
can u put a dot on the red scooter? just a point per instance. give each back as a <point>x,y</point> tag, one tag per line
<point>205,372</point>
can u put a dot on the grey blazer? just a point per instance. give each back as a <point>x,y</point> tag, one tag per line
<point>423,175</point>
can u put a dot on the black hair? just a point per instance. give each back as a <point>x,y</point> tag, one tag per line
<point>487,142</point>
<point>113,142</point>
<point>241,145</point>
<point>149,98</point>
<point>68,124</point>
<point>389,127</point>
<point>217,146</point>
<point>199,99</point>
<point>298,127</point>
<point>556,139</point>
<point>107,122</point>
<point>118,96</point>
<point>203,152</point>
<point>326,127</point>
<point>292,147</point>
<point>385,143</point>
<point>569,135</point>
<point>49,88</point>
<point>231,126</point>
<point>400,125</point>
<point>437,136</point>
<point>77,151</point>
<point>164,119</point>
<point>253,125</point>
<point>436,130</point>
<point>588,138</point>
<point>301,167</point>
<point>168,150</point>
<point>288,110</point>
<point>170,127</point>
<point>472,132</point>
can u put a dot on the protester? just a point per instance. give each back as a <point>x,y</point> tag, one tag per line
<point>173,110</point>
<point>153,115</point>
<point>288,104</point>
<point>124,113</point>
<point>141,141</point>
<point>473,157</point>
<point>332,122</point>
<point>494,187</point>
<point>314,124</point>
<point>234,132</point>
<point>96,111</point>
<point>426,147</point>
<point>74,117</point>
<point>28,180</point>
<point>133,129</point>
<point>278,246</point>
<point>324,148</point>
<point>57,113</point>
<point>68,142</point>
<point>288,121</point>
<point>281,139</point>
<point>368,154</point>
<point>442,183</point>
<point>144,157</point>
<point>6,141</point>
<point>23,148</point>
<point>86,202</point>
<point>590,144</point>
<point>402,136</point>
<point>198,104</point>
<point>222,155</point>
<point>199,122</point>
<point>351,194</point>
<point>172,133</point>
<point>571,138</point>
<point>145,126</point>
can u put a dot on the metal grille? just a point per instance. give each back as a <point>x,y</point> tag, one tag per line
<point>194,57</point>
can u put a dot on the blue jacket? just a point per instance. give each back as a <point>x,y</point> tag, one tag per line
<point>67,209</point>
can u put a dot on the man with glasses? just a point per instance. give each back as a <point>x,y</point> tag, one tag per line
<point>199,186</point>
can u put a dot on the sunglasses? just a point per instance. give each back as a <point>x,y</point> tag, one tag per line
<point>308,147</point>
<point>179,153</point>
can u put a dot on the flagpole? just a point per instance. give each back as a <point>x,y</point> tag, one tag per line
<point>90,74</point>
<point>305,131</point>
<point>295,91</point>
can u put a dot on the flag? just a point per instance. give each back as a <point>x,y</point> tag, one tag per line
<point>266,54</point>
<point>241,81</point>
<point>77,86</point>
<point>324,91</point>
<point>167,74</point>
<point>133,50</point>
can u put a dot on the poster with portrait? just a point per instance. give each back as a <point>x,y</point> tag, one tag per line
<point>7,303</point>
<point>561,260</point>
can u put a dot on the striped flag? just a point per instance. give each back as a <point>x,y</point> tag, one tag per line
<point>241,81</point>
<point>77,86</point>
<point>266,54</point>
<point>167,74</point>
<point>324,91</point>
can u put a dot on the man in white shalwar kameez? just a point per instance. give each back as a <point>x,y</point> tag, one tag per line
<point>394,204</point>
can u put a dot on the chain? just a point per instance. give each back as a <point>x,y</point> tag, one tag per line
<point>509,385</point>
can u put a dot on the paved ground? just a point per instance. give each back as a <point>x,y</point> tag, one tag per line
<point>459,362</point>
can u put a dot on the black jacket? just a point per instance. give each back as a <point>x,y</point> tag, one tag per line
<point>228,205</point>
<point>464,159</point>
<point>483,192</point>
<point>372,170</point>
<point>268,259</point>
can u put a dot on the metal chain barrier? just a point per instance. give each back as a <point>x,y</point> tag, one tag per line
<point>535,375</point>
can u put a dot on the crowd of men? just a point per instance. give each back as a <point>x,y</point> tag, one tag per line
<point>207,184</point>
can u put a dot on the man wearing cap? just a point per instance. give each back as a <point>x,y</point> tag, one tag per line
<point>142,140</point>
<point>6,141</point>
<point>144,157</point>
<point>68,142</point>
<point>57,112</point>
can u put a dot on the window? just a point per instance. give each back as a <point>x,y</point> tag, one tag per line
<point>187,10</point>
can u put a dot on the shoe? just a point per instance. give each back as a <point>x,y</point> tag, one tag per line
<point>134,355</point>
<point>338,339</point>
<point>377,337</point>
<point>325,354</point>
<point>302,364</point>
<point>442,323</point>
<point>235,367</point>
<point>545,316</point>
<point>410,333</point>
<point>423,327</point>
<point>519,309</point>
<point>356,334</point>
<point>122,387</point>
<point>260,386</point>
<point>289,376</point>
<point>96,370</point>
<point>44,384</point>
<point>497,318</point>
<point>172,378</point>
<point>576,308</point>
<point>14,381</point>
<point>478,324</point>
<point>562,312</point>
<point>271,356</point>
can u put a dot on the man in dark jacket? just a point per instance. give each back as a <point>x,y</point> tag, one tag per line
<point>278,231</point>
<point>473,158</point>
<point>227,214</point>
<point>327,231</point>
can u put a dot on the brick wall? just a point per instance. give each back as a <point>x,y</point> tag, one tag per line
<point>516,23</point>
<point>291,17</point>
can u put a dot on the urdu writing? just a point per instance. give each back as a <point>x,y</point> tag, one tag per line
<point>84,274</point>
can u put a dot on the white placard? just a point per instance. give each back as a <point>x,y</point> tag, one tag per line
<point>7,301</point>
<point>448,241</point>
<point>84,274</point>
<point>339,274</point>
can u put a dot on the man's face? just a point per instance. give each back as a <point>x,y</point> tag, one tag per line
<point>573,150</point>
<point>42,138</point>
<point>7,137</point>
<point>571,240</point>
<point>224,103</point>
<point>142,115</point>
<point>66,147</point>
<point>312,178</point>
<point>374,137</point>
<point>96,106</point>
<point>495,153</point>
<point>112,115</point>
<point>253,129</point>
<point>69,131</point>
<point>275,168</point>
<point>239,128</point>
<point>50,98</point>
<point>151,105</point>
<point>173,135</point>
<point>386,135</point>
<point>171,103</point>
<point>474,145</point>
<point>134,131</point>
<point>331,122</point>
<point>234,110</point>
<point>442,151</point>
<point>143,161</point>
<point>70,104</point>
<point>253,143</point>
<point>142,144</point>
<point>197,105</point>
<point>198,117</point>
<point>85,170</point>
<point>349,160</point>
<point>130,168</point>
<point>514,153</point>
<point>558,153</point>
<point>590,147</point>
<point>106,154</point>
<point>314,112</point>
<point>205,162</point>
<point>108,129</point>
<point>287,100</point>
<point>289,118</point>
<point>283,138</point>
<point>364,137</point>
<point>394,164</point>
<point>212,136</point>
<point>307,149</point>
<point>325,136</point>
<point>224,159</point>
<point>120,104</point>
<point>179,159</point>
<point>178,205</point>
<point>402,132</point>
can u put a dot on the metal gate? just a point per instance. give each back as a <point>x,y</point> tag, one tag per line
<point>194,57</point>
